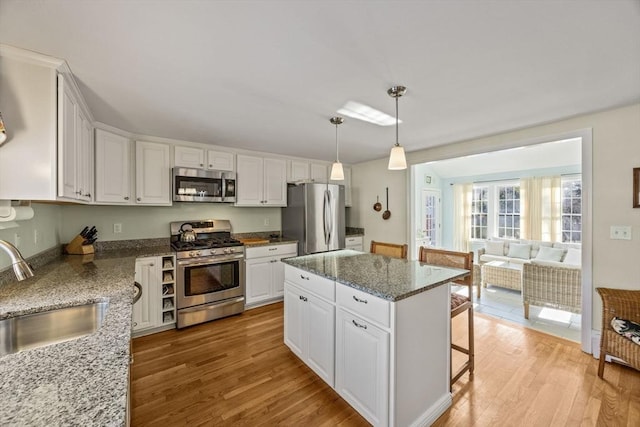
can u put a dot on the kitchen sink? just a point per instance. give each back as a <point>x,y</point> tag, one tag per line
<point>50,327</point>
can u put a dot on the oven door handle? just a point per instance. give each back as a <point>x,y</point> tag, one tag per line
<point>200,263</point>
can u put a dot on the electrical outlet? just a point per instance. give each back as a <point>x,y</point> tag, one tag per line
<point>621,232</point>
<point>266,221</point>
<point>36,237</point>
<point>17,240</point>
<point>117,227</point>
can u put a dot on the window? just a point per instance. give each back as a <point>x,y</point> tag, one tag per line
<point>479,213</point>
<point>495,210</point>
<point>509,211</point>
<point>572,210</point>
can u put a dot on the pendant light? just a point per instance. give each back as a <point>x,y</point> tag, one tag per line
<point>337,174</point>
<point>397,159</point>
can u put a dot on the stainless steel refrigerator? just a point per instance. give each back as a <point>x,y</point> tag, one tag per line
<point>315,216</point>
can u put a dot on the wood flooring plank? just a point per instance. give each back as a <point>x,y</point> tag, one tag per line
<point>238,372</point>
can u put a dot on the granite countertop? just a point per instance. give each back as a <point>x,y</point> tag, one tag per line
<point>83,381</point>
<point>388,278</point>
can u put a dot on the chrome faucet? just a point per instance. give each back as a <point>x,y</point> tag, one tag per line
<point>21,269</point>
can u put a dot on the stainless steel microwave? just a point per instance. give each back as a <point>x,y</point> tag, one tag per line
<point>197,185</point>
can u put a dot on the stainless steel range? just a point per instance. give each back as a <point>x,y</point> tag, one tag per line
<point>210,281</point>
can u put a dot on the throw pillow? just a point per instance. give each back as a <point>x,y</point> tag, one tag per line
<point>494,248</point>
<point>549,254</point>
<point>519,250</point>
<point>573,257</point>
<point>627,329</point>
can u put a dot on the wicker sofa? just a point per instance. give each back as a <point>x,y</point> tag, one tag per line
<point>556,284</point>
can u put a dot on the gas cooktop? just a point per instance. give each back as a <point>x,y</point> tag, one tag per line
<point>209,234</point>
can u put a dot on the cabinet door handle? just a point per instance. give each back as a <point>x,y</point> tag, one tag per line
<point>88,194</point>
<point>364,301</point>
<point>201,165</point>
<point>303,298</point>
<point>359,325</point>
<point>138,199</point>
<point>302,277</point>
<point>126,198</point>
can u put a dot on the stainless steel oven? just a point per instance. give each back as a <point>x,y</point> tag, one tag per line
<point>210,276</point>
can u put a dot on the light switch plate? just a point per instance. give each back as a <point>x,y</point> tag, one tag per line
<point>621,232</point>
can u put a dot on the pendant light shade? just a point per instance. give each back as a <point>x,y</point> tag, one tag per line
<point>337,173</point>
<point>397,159</point>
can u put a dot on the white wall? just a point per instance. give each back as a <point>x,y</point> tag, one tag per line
<point>46,220</point>
<point>616,151</point>
<point>368,181</point>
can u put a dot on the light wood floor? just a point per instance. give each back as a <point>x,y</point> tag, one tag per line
<point>237,371</point>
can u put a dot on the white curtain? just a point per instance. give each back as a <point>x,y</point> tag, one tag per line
<point>462,196</point>
<point>541,208</point>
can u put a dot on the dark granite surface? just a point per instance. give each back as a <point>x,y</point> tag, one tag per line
<point>388,278</point>
<point>83,381</point>
<point>354,231</point>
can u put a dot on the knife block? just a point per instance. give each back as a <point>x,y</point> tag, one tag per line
<point>75,247</point>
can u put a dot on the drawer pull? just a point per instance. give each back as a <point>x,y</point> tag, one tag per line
<point>305,278</point>
<point>303,298</point>
<point>359,325</point>
<point>273,249</point>
<point>273,260</point>
<point>364,301</point>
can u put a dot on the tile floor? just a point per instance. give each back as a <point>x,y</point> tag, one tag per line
<point>507,304</point>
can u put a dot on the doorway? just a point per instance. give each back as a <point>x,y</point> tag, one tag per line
<point>584,144</point>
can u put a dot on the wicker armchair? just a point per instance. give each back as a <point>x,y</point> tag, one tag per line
<point>555,287</point>
<point>624,304</point>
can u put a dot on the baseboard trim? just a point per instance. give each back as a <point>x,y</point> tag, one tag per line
<point>434,412</point>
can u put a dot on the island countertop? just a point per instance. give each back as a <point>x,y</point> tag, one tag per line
<point>83,381</point>
<point>389,278</point>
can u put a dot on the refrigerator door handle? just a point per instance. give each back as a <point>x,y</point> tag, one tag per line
<point>330,216</point>
<point>326,209</point>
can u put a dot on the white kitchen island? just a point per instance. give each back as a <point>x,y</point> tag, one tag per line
<point>376,329</point>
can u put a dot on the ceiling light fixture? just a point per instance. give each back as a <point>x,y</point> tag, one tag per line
<point>397,159</point>
<point>355,110</point>
<point>337,174</point>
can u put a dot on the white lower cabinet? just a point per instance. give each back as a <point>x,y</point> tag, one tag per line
<point>265,272</point>
<point>155,310</point>
<point>309,330</point>
<point>391,359</point>
<point>362,366</point>
<point>354,243</point>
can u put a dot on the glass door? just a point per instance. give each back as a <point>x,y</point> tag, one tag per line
<point>429,227</point>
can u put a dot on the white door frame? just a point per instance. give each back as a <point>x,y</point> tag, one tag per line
<point>586,136</point>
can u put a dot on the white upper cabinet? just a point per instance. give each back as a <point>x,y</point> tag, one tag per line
<point>75,162</point>
<point>67,141</point>
<point>303,170</point>
<point>298,171</point>
<point>199,158</point>
<point>220,161</point>
<point>113,168</point>
<point>261,181</point>
<point>153,182</point>
<point>319,172</point>
<point>188,157</point>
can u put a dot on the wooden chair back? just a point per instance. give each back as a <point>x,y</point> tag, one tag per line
<point>453,259</point>
<point>389,249</point>
<point>459,303</point>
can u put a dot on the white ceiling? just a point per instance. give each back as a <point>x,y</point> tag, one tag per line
<point>267,75</point>
<point>557,154</point>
